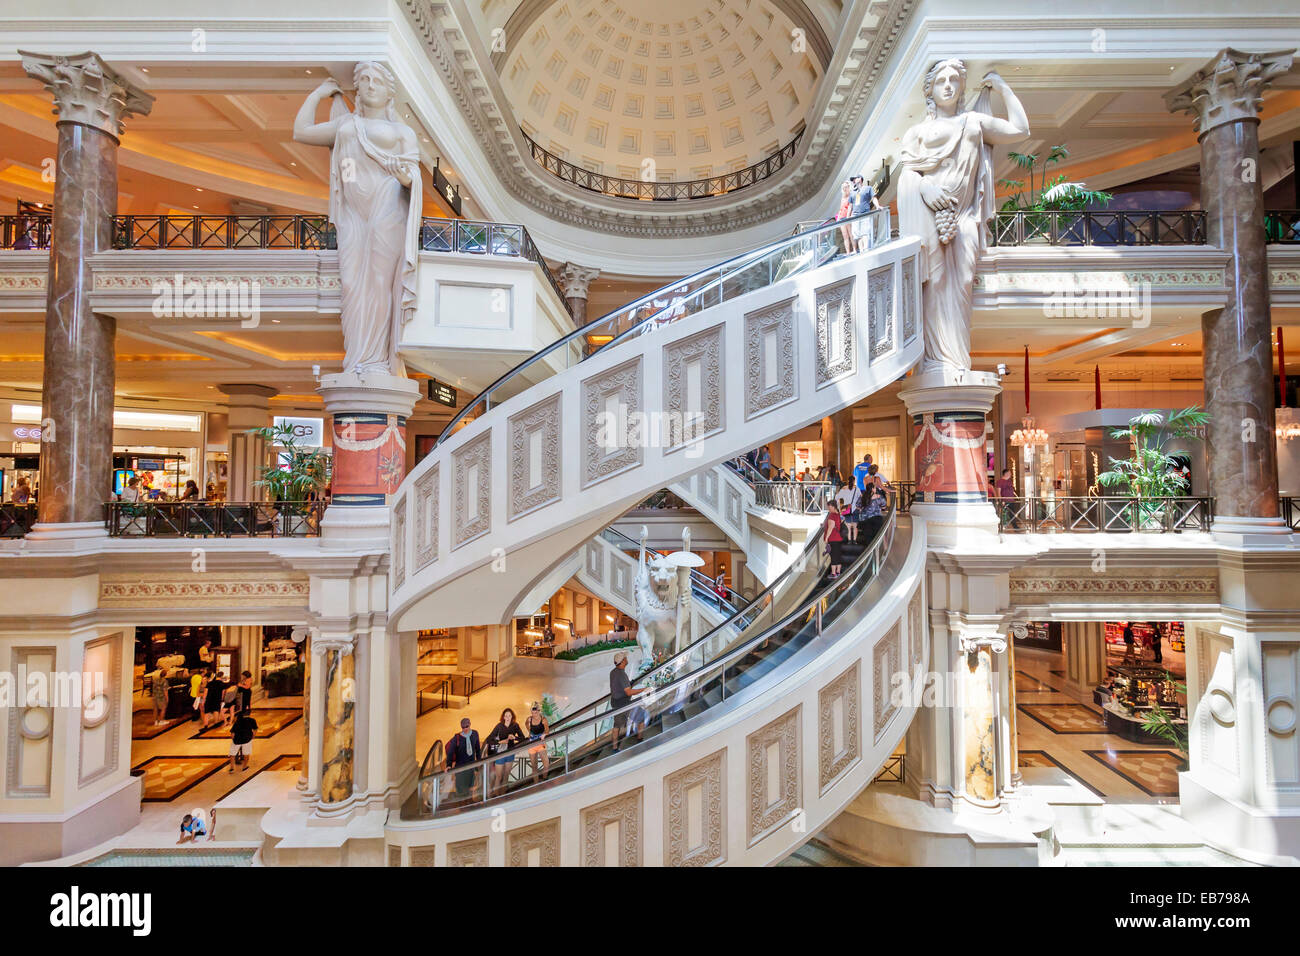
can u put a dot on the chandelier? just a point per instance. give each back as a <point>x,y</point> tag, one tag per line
<point>1288,424</point>
<point>1028,433</point>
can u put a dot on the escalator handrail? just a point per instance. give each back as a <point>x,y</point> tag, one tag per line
<point>576,334</point>
<point>814,547</point>
<point>882,540</point>
<point>703,581</point>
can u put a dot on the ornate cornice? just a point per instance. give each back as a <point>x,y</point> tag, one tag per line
<point>446,30</point>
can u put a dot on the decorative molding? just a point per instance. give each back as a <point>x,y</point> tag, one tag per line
<point>112,718</point>
<point>88,91</point>
<point>776,319</point>
<point>611,448</point>
<point>880,312</point>
<point>575,279</point>
<point>705,347</point>
<point>1216,712</point>
<point>426,518</point>
<point>915,634</point>
<point>709,487</point>
<point>200,590</point>
<point>474,455</point>
<point>1229,88</point>
<point>1119,582</point>
<point>845,689</point>
<point>735,507</point>
<point>543,837</point>
<point>543,417</point>
<point>769,811</point>
<point>836,318</point>
<point>707,775</point>
<point>624,810</point>
<point>394,855</point>
<point>426,855</point>
<point>908,299</point>
<point>29,723</point>
<point>399,543</point>
<point>886,661</point>
<point>595,561</point>
<point>468,853</point>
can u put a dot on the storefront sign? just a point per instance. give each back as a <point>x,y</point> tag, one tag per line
<point>442,393</point>
<point>446,190</point>
<point>307,432</point>
<point>24,433</point>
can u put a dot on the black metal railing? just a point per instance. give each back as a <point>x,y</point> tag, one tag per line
<point>223,232</point>
<point>25,232</point>
<point>1099,228</point>
<point>432,695</point>
<point>484,238</point>
<point>622,188</point>
<point>1290,512</point>
<point>894,769</point>
<point>16,520</point>
<point>213,519</point>
<point>1282,226</point>
<point>1114,514</point>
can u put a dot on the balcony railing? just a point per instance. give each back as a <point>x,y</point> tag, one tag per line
<point>1291,512</point>
<point>1115,514</point>
<point>16,520</point>
<point>662,192</point>
<point>1088,228</point>
<point>795,497</point>
<point>214,519</point>
<point>1282,226</point>
<point>25,232</point>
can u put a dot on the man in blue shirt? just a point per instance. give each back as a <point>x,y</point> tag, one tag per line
<point>862,199</point>
<point>860,471</point>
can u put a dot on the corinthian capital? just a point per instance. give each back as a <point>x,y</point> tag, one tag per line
<point>87,90</point>
<point>574,279</point>
<point>1228,88</point>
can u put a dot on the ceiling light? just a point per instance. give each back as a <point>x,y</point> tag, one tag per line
<point>1175,344</point>
<point>198,189</point>
<point>293,164</point>
<point>308,72</point>
<point>275,321</point>
<point>1028,434</point>
<point>144,69</point>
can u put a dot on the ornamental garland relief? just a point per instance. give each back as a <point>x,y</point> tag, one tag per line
<point>768,810</point>
<point>426,518</point>
<point>680,846</point>
<point>542,419</point>
<point>685,423</point>
<point>844,690</point>
<point>769,358</point>
<point>471,469</point>
<point>625,811</point>
<point>836,335</point>
<point>612,408</point>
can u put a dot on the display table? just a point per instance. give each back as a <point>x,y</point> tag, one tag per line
<point>1129,726</point>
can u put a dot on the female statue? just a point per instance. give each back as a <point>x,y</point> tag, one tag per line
<point>945,196</point>
<point>375,204</point>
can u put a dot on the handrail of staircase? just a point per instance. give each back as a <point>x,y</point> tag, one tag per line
<point>811,611</point>
<point>710,276</point>
<point>744,470</point>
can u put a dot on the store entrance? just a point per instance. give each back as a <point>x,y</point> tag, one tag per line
<point>1104,704</point>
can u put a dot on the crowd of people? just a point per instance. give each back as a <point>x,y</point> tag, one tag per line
<point>856,198</point>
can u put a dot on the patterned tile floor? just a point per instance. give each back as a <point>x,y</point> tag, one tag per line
<point>270,721</point>
<point>1029,684</point>
<point>1041,758</point>
<point>143,727</point>
<point>166,778</point>
<point>1065,737</point>
<point>1066,718</point>
<point>282,762</point>
<point>1154,771</point>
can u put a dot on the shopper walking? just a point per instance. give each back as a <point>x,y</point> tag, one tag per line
<point>862,201</point>
<point>158,685</point>
<point>843,212</point>
<point>212,701</point>
<point>833,528</point>
<point>196,694</point>
<point>241,740</point>
<point>621,692</point>
<point>463,750</point>
<point>538,727</point>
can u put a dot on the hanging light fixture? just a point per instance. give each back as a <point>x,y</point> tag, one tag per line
<point>1288,424</point>
<point>1028,433</point>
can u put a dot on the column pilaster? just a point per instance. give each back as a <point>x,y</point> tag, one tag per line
<point>1224,98</point>
<point>575,281</point>
<point>91,100</point>
<point>249,408</point>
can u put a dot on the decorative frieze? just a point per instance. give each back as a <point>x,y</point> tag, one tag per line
<point>613,829</point>
<point>535,845</point>
<point>694,830</point>
<point>471,477</point>
<point>209,589</point>
<point>535,457</point>
<point>770,380</point>
<point>772,754</point>
<point>839,721</point>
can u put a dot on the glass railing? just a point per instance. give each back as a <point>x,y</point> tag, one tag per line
<point>686,687</point>
<point>718,284</point>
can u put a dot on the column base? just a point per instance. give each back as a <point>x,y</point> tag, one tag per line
<point>356,527</point>
<point>958,524</point>
<point>67,531</point>
<point>1239,532</point>
<point>1267,836</point>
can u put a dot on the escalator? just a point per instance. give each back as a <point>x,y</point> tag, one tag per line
<point>687,377</point>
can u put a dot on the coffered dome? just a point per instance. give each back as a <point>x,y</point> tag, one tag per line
<point>670,90</point>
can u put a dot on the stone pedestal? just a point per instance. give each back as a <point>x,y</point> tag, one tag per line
<point>1224,98</point>
<point>250,408</point>
<point>369,434</point>
<point>80,371</point>
<point>949,410</point>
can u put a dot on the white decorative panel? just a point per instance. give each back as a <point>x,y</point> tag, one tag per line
<point>708,485</point>
<point>30,743</point>
<point>594,562</point>
<point>1216,709</point>
<point>611,831</point>
<point>908,296</point>
<point>612,407</point>
<point>464,305</point>
<point>839,723</point>
<point>770,358</point>
<point>773,771</point>
<point>693,387</point>
<point>836,333</point>
<point>101,699</point>
<point>735,511</point>
<point>1281,672</point>
<point>886,661</point>
<point>880,311</point>
<point>471,490</point>
<point>694,814</point>
<point>399,543</point>
<point>426,518</point>
<point>535,457</point>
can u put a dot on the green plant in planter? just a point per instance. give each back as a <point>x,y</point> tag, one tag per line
<point>1161,723</point>
<point>305,473</point>
<point>1023,200</point>
<point>1151,472</point>
<point>1056,195</point>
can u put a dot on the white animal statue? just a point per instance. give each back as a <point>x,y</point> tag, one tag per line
<point>656,603</point>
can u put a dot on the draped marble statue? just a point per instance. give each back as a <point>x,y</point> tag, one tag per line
<point>945,196</point>
<point>375,205</point>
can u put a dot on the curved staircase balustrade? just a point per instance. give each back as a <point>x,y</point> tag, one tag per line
<point>807,734</point>
<point>572,452</point>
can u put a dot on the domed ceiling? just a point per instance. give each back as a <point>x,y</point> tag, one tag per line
<point>670,90</point>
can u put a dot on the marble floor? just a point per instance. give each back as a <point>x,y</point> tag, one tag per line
<point>1059,726</point>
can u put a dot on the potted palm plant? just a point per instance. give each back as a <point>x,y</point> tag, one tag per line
<point>296,479</point>
<point>1151,474</point>
<point>1055,195</point>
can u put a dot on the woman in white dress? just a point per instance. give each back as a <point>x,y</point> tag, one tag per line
<point>375,204</point>
<point>945,196</point>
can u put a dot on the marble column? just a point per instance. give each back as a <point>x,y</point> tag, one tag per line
<point>338,732</point>
<point>837,442</point>
<point>949,410</point>
<point>91,100</point>
<point>250,407</point>
<point>575,280</point>
<point>1224,99</point>
<point>977,671</point>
